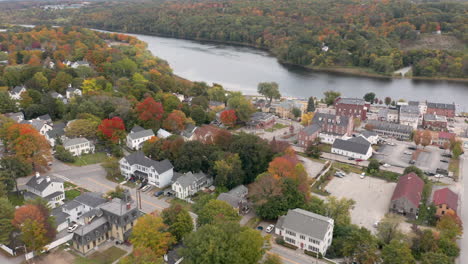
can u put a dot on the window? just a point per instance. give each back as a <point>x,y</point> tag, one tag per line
<point>302,237</point>
<point>290,233</point>
<point>290,240</point>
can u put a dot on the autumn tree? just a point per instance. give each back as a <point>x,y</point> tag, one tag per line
<point>149,111</point>
<point>450,226</point>
<point>388,228</point>
<point>150,233</point>
<point>270,90</point>
<point>178,220</point>
<point>426,138</point>
<point>60,82</point>
<point>243,107</point>
<point>417,137</point>
<point>83,128</point>
<point>6,216</point>
<point>175,121</point>
<point>216,211</point>
<point>388,100</point>
<point>228,118</point>
<point>361,246</point>
<point>307,118</point>
<point>33,234</point>
<point>397,252</point>
<point>228,171</point>
<point>112,129</point>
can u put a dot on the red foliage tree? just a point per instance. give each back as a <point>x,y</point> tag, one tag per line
<point>112,129</point>
<point>29,211</point>
<point>228,118</point>
<point>149,110</point>
<point>175,121</point>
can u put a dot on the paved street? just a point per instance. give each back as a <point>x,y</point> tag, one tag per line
<point>463,209</point>
<point>4,259</point>
<point>364,163</point>
<point>289,256</point>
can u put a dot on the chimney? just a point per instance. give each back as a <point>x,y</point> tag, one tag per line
<point>47,179</point>
<point>128,206</point>
<point>38,175</point>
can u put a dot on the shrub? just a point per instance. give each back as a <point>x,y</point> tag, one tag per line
<point>64,155</point>
<point>313,254</point>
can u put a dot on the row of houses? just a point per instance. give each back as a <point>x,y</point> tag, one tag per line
<point>70,92</point>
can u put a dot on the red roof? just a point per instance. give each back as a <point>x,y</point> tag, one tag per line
<point>409,186</point>
<point>446,135</point>
<point>446,196</point>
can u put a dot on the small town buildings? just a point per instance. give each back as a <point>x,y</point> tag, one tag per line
<point>206,133</point>
<point>113,220</point>
<point>138,166</point>
<point>46,187</point>
<point>17,117</point>
<point>371,136</point>
<point>388,115</point>
<point>434,122</point>
<point>72,92</point>
<point>216,105</point>
<point>446,202</point>
<point>137,137</point>
<point>78,146</point>
<point>76,209</point>
<point>16,92</point>
<point>47,118</point>
<point>355,147</point>
<point>40,125</point>
<point>285,108</point>
<point>447,110</point>
<point>327,126</point>
<point>306,230</point>
<point>57,133</point>
<point>407,195</point>
<point>352,107</point>
<point>422,105</point>
<point>261,120</point>
<point>237,198</point>
<point>77,64</point>
<point>387,129</point>
<point>442,138</point>
<point>189,131</point>
<point>163,133</point>
<point>190,183</point>
<point>409,115</point>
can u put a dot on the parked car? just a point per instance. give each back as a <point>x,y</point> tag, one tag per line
<point>412,148</point>
<point>412,162</point>
<point>428,173</point>
<point>145,188</point>
<point>386,165</point>
<point>439,176</point>
<point>362,175</point>
<point>158,193</point>
<point>441,171</point>
<point>407,152</point>
<point>72,228</point>
<point>445,161</point>
<point>350,158</point>
<point>447,155</point>
<point>269,228</point>
<point>260,228</point>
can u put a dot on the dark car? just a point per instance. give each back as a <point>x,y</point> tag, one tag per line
<point>350,158</point>
<point>412,162</point>
<point>412,148</point>
<point>159,193</point>
<point>428,173</point>
<point>445,161</point>
<point>447,155</point>
<point>260,228</point>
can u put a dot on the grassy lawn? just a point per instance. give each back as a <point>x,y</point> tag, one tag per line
<point>16,199</point>
<point>275,127</point>
<point>454,166</point>
<point>68,185</point>
<point>88,159</point>
<point>183,203</point>
<point>72,194</point>
<point>105,257</point>
<point>253,222</point>
<point>325,148</point>
<point>347,168</point>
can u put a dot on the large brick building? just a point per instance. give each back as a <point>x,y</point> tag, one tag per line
<point>434,122</point>
<point>352,107</point>
<point>447,110</point>
<point>327,124</point>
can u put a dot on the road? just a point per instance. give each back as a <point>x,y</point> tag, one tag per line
<point>463,209</point>
<point>289,256</point>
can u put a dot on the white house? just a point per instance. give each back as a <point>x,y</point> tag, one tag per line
<point>17,117</point>
<point>77,64</point>
<point>355,147</point>
<point>72,92</point>
<point>40,125</point>
<point>50,189</point>
<point>190,183</point>
<point>163,133</point>
<point>371,136</point>
<point>306,230</point>
<point>409,115</point>
<point>328,137</point>
<point>57,132</point>
<point>136,138</point>
<point>78,146</point>
<point>137,165</point>
<point>16,92</point>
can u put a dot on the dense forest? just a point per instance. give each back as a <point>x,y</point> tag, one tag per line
<point>372,36</point>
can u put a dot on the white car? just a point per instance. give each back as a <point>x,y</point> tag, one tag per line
<point>72,228</point>
<point>146,188</point>
<point>362,175</point>
<point>386,165</point>
<point>269,228</point>
<point>408,152</point>
<point>439,176</point>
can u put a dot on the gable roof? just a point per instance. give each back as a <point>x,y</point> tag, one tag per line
<point>17,117</point>
<point>162,133</point>
<point>189,178</point>
<point>230,199</point>
<point>74,141</point>
<point>387,126</point>
<point>305,222</point>
<point>311,129</point>
<point>446,196</point>
<point>356,145</point>
<point>45,117</point>
<point>409,110</point>
<point>325,118</point>
<point>441,106</point>
<point>91,199</point>
<point>431,117</point>
<point>409,186</point>
<point>18,89</point>
<point>136,128</point>
<point>57,131</point>
<point>141,134</point>
<point>40,183</point>
<point>139,158</point>
<point>353,101</point>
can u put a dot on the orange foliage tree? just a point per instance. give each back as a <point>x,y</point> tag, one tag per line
<point>149,111</point>
<point>112,129</point>
<point>228,118</point>
<point>175,121</point>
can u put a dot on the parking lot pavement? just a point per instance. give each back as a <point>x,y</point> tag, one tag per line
<point>312,167</point>
<point>372,197</point>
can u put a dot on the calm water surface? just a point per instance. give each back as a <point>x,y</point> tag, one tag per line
<point>241,68</point>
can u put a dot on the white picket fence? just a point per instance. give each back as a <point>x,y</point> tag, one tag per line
<point>59,242</point>
<point>7,249</point>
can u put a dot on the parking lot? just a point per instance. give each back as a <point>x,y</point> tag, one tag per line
<point>400,154</point>
<point>372,197</point>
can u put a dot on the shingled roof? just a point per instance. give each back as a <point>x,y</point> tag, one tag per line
<point>305,222</point>
<point>356,145</point>
<point>409,186</point>
<point>139,158</point>
<point>446,196</point>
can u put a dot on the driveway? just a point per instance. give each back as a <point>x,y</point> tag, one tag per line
<point>312,167</point>
<point>372,197</point>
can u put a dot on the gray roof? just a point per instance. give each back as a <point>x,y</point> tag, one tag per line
<point>91,199</point>
<point>17,89</point>
<point>431,117</point>
<point>409,109</point>
<point>71,205</point>
<point>74,141</point>
<point>321,118</point>
<point>56,95</point>
<point>15,116</point>
<point>215,103</point>
<point>356,145</point>
<point>139,157</point>
<point>45,117</point>
<point>118,207</point>
<point>189,130</point>
<point>311,129</point>
<point>261,116</point>
<point>305,222</point>
<point>40,183</point>
<point>239,191</point>
<point>353,101</point>
<point>88,231</point>
<point>441,106</point>
<point>368,133</point>
<point>387,126</point>
<point>59,216</point>
<point>141,134</point>
<point>136,128</point>
<point>36,123</point>
<point>189,178</point>
<point>230,199</point>
<point>72,89</point>
<point>57,131</point>
<point>416,103</point>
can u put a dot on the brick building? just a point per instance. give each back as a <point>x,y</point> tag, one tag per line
<point>353,107</point>
<point>446,201</point>
<point>326,124</point>
<point>434,122</point>
<point>447,110</point>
